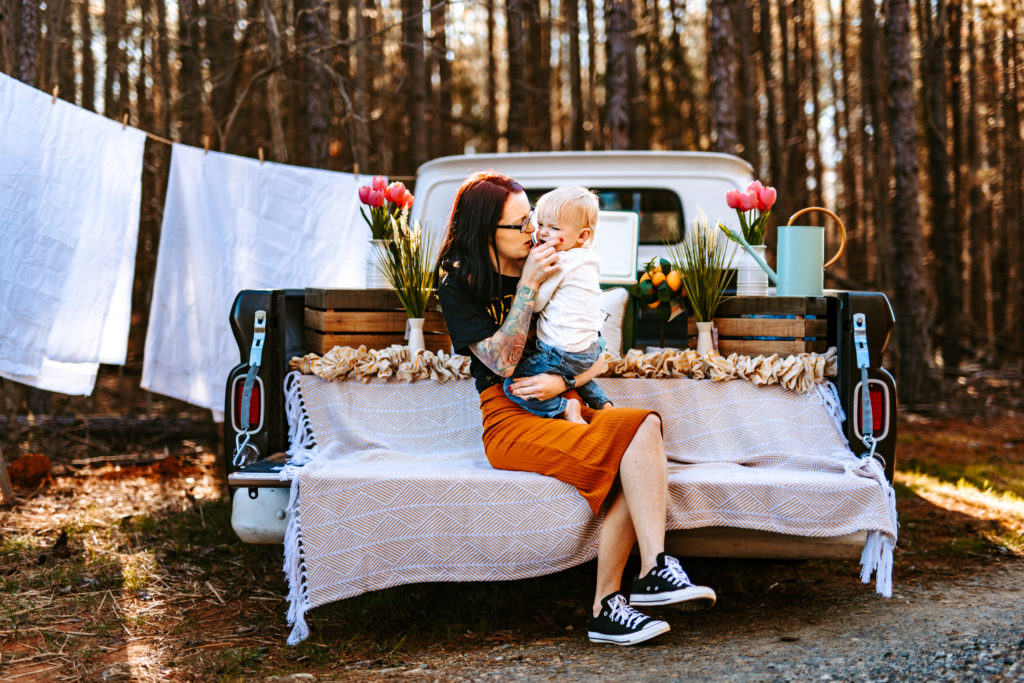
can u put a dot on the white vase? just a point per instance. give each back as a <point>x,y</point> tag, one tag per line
<point>375,279</point>
<point>705,341</point>
<point>414,333</point>
<point>751,280</point>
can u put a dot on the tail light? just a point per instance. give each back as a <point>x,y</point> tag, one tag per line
<point>255,404</point>
<point>878,392</point>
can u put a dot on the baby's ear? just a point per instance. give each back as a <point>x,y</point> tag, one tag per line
<point>587,235</point>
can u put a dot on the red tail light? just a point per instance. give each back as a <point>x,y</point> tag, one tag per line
<point>879,395</point>
<point>255,404</point>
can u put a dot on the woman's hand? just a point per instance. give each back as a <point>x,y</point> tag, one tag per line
<point>541,263</point>
<point>540,387</point>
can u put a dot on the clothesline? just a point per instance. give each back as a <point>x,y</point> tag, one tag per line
<point>206,141</point>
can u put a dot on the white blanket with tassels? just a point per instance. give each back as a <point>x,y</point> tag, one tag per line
<point>396,489</point>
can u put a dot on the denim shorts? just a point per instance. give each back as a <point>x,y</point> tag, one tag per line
<point>541,358</point>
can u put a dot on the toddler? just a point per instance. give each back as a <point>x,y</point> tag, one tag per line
<point>568,306</point>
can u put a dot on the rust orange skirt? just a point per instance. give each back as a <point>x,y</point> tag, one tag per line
<point>586,456</point>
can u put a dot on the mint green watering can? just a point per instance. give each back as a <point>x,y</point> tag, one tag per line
<point>801,256</point>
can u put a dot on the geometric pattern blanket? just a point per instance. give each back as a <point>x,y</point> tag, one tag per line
<point>390,484</point>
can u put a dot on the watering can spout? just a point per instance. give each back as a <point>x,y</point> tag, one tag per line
<point>738,237</point>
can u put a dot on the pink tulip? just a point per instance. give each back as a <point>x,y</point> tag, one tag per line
<point>755,186</point>
<point>748,200</point>
<point>732,199</point>
<point>364,194</point>
<point>408,201</point>
<point>380,183</point>
<point>396,193</point>
<point>376,198</point>
<point>766,198</point>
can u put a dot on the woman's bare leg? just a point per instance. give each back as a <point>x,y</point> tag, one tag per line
<point>644,476</point>
<point>613,547</point>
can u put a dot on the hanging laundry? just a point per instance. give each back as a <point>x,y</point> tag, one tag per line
<point>70,192</point>
<point>232,223</point>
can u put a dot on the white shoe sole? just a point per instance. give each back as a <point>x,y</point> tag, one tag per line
<point>653,629</point>
<point>692,598</point>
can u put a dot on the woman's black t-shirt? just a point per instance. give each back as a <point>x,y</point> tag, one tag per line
<point>471,319</point>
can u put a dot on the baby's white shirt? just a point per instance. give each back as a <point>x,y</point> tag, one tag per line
<point>569,302</point>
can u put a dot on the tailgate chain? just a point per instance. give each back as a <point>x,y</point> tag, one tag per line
<point>242,446</point>
<point>860,344</point>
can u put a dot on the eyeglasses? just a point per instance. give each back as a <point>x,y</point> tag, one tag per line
<point>521,227</point>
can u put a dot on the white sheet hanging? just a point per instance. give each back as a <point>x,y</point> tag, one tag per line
<point>70,192</point>
<point>231,223</point>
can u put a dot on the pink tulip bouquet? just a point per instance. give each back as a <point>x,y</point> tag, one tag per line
<point>753,206</point>
<point>386,202</point>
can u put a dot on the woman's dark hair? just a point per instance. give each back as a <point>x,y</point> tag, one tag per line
<point>469,243</point>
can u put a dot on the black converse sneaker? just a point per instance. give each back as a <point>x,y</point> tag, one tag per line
<point>620,624</point>
<point>667,584</point>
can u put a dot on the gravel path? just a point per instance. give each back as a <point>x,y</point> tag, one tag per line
<point>807,626</point>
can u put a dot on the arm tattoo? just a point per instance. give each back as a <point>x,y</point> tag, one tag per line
<point>502,350</point>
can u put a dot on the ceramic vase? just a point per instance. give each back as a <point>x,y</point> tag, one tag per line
<point>375,279</point>
<point>751,280</point>
<point>705,341</point>
<point>414,333</point>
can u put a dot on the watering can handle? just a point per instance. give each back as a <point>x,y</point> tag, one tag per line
<point>842,229</point>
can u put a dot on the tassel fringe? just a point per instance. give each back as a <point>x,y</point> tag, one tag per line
<point>302,449</point>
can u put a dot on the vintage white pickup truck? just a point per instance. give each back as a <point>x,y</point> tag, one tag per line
<point>666,190</point>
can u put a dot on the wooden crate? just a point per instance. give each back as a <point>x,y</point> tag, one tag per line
<point>753,325</point>
<point>370,317</point>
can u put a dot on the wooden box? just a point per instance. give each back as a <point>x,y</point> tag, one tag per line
<point>753,325</point>
<point>370,317</point>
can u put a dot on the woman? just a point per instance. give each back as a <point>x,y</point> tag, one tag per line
<point>490,271</point>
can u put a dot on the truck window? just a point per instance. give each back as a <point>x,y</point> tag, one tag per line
<point>660,212</point>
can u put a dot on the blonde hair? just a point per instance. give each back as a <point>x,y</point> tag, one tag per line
<point>570,201</point>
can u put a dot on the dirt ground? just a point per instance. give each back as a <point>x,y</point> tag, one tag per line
<point>121,571</point>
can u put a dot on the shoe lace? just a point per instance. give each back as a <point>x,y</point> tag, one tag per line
<point>622,613</point>
<point>673,572</point>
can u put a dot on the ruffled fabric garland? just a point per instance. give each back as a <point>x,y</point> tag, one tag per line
<point>362,364</point>
<point>800,373</point>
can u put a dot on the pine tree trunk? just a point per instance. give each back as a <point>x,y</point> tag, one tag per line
<point>88,62</point>
<point>220,17</point>
<point>163,58</point>
<point>749,109</point>
<point>28,43</point>
<point>617,100</point>
<point>364,27</point>
<point>911,304</point>
<point>945,240</point>
<point>492,80</point>
<point>190,83</point>
<point>639,94</point>
<point>274,113</point>
<point>809,54</point>
<point>412,15</point>
<point>1013,197</point>
<point>850,122</point>
<point>876,163</point>
<point>571,17</point>
<point>594,114</point>
<point>113,22</point>
<point>517,87</point>
<point>722,73</point>
<point>311,28</point>
<point>8,19</point>
<point>772,128</point>
<point>66,76</point>
<point>443,109</point>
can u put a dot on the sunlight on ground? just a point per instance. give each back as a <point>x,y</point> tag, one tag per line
<point>1003,507</point>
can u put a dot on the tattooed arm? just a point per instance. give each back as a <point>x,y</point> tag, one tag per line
<point>501,351</point>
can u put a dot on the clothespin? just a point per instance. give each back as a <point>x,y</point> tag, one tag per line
<point>260,152</point>
<point>355,170</point>
<point>56,91</point>
<point>124,121</point>
<point>206,144</point>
